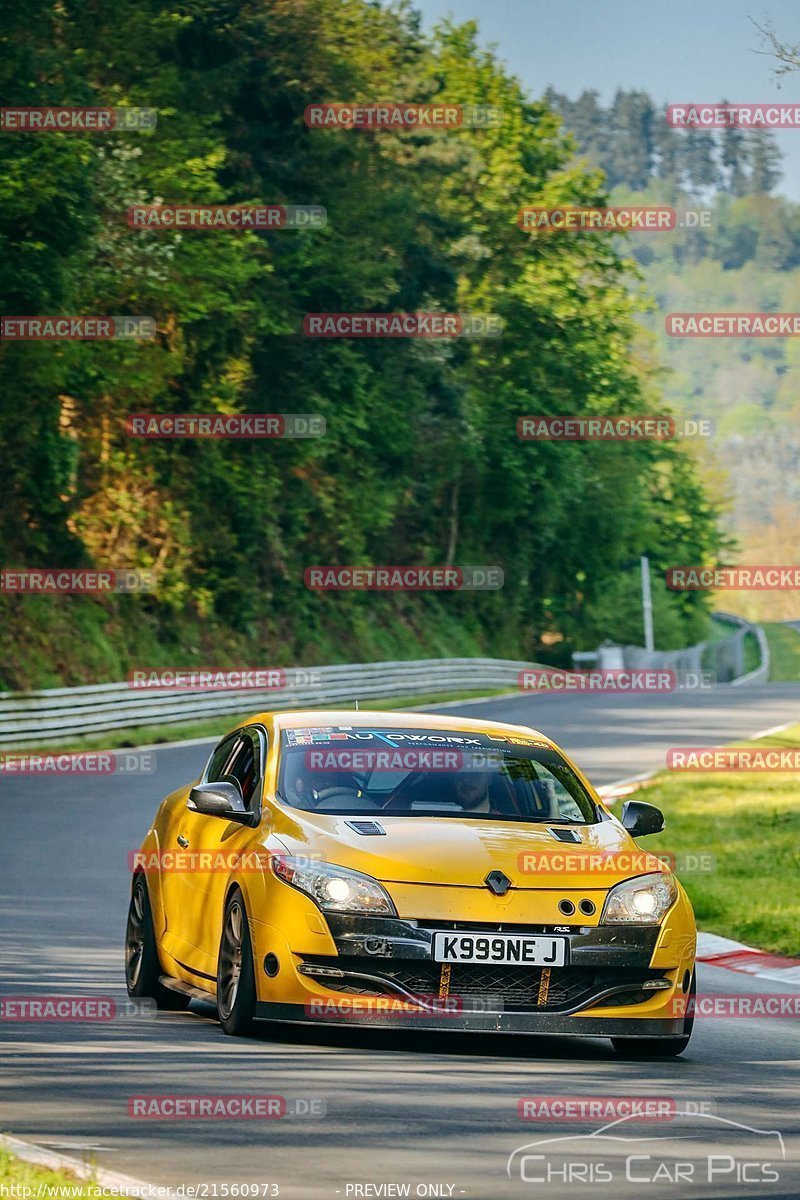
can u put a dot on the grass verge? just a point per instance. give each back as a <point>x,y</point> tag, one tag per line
<point>784,653</point>
<point>23,1179</point>
<point>750,823</point>
<point>752,653</point>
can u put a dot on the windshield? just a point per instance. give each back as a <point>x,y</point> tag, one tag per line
<point>402,772</point>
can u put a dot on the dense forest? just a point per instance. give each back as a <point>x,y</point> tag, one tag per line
<point>745,257</point>
<point>632,143</point>
<point>421,462</point>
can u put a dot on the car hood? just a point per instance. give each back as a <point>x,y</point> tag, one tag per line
<point>461,852</point>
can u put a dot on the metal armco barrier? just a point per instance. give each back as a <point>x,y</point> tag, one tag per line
<point>60,714</point>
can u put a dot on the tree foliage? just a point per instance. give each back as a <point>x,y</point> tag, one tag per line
<point>421,461</point>
<point>633,144</point>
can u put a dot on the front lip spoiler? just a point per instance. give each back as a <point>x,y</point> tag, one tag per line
<point>544,1024</point>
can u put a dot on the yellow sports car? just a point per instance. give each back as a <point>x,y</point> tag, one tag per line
<point>400,869</point>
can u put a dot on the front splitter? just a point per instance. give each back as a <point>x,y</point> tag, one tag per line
<point>332,1012</point>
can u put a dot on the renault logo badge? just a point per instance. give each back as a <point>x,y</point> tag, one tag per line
<point>497,882</point>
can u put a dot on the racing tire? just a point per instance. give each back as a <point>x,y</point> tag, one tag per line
<point>645,1048</point>
<point>236,980</point>
<point>142,968</point>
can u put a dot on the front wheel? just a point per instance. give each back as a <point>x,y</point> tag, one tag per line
<point>142,968</point>
<point>236,981</point>
<point>645,1048</point>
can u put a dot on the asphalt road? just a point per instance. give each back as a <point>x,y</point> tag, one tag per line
<point>615,737</point>
<point>437,1113</point>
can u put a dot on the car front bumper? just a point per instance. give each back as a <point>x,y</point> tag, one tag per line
<point>383,975</point>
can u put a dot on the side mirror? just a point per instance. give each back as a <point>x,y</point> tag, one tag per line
<point>639,818</point>
<point>220,799</point>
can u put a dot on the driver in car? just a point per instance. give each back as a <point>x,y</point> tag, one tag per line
<point>309,788</point>
<point>472,791</point>
<point>306,788</point>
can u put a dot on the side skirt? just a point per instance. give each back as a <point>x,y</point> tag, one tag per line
<point>186,989</point>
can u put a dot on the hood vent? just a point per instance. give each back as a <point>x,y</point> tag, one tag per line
<point>566,835</point>
<point>367,828</point>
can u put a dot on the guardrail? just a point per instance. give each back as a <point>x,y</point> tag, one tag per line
<point>56,715</point>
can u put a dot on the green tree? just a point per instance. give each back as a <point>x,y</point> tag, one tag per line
<point>699,160</point>
<point>631,161</point>
<point>421,461</point>
<point>765,161</point>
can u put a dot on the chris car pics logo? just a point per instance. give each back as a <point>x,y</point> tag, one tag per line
<point>698,1150</point>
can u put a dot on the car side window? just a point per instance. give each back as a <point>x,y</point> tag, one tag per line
<point>245,767</point>
<point>221,758</point>
<point>238,758</point>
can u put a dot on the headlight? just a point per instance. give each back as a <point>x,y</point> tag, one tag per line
<point>641,901</point>
<point>334,889</point>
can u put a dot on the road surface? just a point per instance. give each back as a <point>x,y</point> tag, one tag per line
<point>437,1115</point>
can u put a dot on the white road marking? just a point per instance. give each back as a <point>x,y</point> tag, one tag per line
<point>124,1185</point>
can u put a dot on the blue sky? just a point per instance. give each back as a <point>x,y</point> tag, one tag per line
<point>674,49</point>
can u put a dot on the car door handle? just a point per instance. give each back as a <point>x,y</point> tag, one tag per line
<point>182,841</point>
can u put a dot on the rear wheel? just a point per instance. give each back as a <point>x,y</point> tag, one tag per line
<point>661,1047</point>
<point>236,981</point>
<point>142,968</point>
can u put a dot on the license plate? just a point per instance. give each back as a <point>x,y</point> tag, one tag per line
<point>500,948</point>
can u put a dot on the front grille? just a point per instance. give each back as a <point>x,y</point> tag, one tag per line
<point>517,988</point>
